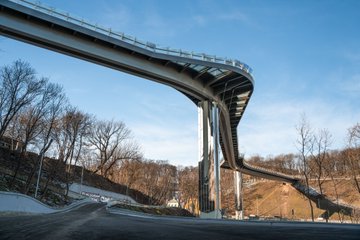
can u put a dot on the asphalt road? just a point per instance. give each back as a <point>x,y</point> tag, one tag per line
<point>93,221</point>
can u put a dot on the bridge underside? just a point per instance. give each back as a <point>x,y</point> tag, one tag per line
<point>206,80</point>
<point>199,77</point>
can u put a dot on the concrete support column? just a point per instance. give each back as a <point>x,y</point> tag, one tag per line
<point>239,214</point>
<point>209,167</point>
<point>216,142</point>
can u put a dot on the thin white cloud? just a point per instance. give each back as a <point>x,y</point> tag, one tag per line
<point>117,16</point>
<point>237,15</point>
<point>271,128</point>
<point>124,19</point>
<point>167,128</point>
<point>199,20</point>
<point>163,142</point>
<point>352,56</point>
<point>345,83</point>
<point>234,16</point>
<point>154,22</point>
<point>352,85</point>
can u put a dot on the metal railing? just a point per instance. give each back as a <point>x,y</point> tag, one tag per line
<point>267,171</point>
<point>130,39</point>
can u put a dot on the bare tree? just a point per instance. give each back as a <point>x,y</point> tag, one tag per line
<point>289,163</point>
<point>304,145</point>
<point>112,143</point>
<point>129,172</point>
<point>127,150</point>
<point>330,169</point>
<point>340,166</point>
<point>156,179</point>
<point>285,163</point>
<point>29,121</point>
<point>188,187</point>
<point>228,197</point>
<point>70,133</point>
<point>319,150</point>
<point>45,138</point>
<point>18,87</point>
<point>32,122</point>
<point>353,153</point>
<point>164,176</point>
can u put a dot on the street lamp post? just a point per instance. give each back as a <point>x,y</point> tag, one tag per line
<point>82,178</point>
<point>39,173</point>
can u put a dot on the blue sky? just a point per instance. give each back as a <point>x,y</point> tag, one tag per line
<point>305,56</point>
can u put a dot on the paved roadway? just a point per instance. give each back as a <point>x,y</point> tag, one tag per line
<point>93,221</point>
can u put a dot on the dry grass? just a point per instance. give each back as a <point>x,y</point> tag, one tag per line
<point>269,198</point>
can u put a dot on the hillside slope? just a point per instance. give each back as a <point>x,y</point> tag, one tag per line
<point>269,198</point>
<point>54,176</point>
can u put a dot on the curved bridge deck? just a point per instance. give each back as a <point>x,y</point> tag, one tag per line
<point>226,82</point>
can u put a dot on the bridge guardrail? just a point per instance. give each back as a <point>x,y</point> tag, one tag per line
<point>133,40</point>
<point>295,178</point>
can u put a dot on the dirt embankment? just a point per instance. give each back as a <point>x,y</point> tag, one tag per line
<point>270,198</point>
<point>54,177</point>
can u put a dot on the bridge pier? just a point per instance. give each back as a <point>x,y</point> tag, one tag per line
<point>239,214</point>
<point>209,166</point>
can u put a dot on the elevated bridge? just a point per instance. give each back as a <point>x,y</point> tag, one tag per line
<point>220,87</point>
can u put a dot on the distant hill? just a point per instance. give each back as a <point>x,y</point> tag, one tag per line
<point>56,187</point>
<point>270,199</point>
